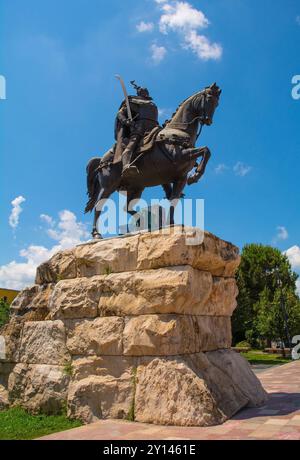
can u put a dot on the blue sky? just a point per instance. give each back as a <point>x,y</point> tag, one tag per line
<point>59,58</point>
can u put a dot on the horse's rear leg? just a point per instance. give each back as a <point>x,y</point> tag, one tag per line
<point>178,187</point>
<point>132,197</point>
<point>103,196</point>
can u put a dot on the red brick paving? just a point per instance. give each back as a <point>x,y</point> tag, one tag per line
<point>278,419</point>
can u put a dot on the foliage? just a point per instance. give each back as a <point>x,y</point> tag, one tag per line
<point>264,275</point>
<point>270,316</point>
<point>258,357</point>
<point>68,368</point>
<point>16,423</point>
<point>243,344</point>
<point>4,312</point>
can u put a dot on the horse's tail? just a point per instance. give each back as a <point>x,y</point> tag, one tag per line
<point>93,186</point>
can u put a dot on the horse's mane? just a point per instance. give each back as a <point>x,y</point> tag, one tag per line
<point>181,105</point>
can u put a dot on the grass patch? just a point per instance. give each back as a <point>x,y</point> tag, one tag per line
<point>259,357</point>
<point>16,423</point>
<point>68,368</point>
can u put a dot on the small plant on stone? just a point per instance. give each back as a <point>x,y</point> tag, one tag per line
<point>131,414</point>
<point>68,369</point>
<point>107,270</point>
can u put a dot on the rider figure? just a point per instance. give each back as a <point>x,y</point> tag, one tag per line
<point>131,132</point>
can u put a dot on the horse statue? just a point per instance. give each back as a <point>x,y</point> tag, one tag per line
<point>166,159</point>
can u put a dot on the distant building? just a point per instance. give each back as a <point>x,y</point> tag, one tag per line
<point>8,294</point>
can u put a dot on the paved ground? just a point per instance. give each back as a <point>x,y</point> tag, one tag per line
<point>278,419</point>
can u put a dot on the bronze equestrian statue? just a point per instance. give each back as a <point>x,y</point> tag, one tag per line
<point>146,155</point>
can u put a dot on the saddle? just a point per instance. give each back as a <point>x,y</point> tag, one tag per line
<point>157,134</point>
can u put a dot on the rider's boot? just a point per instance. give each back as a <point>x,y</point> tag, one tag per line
<point>128,169</point>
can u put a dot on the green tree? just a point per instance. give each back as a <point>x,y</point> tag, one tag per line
<point>270,322</point>
<point>4,312</point>
<point>261,271</point>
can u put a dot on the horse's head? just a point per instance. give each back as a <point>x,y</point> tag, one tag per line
<point>207,103</point>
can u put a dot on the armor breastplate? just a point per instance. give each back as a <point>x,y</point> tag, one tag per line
<point>146,109</point>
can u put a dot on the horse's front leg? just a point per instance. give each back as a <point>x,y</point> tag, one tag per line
<point>204,152</point>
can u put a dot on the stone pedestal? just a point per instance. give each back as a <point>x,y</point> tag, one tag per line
<point>136,327</point>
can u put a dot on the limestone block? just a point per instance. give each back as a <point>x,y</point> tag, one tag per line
<point>159,335</point>
<point>167,290</point>
<point>32,303</point>
<point>61,266</point>
<point>168,392</point>
<point>77,298</point>
<point>150,250</point>
<point>43,342</point>
<point>112,366</point>
<point>101,336</point>
<point>106,256</point>
<point>173,247</point>
<point>100,397</point>
<point>12,333</point>
<point>38,387</point>
<point>195,390</point>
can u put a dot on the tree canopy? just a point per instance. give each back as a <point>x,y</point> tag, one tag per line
<point>267,288</point>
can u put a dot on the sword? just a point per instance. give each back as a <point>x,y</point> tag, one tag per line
<point>126,97</point>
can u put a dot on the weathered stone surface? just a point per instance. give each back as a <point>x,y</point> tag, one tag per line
<point>222,300</point>
<point>181,289</point>
<point>11,333</point>
<point>4,402</point>
<point>43,342</point>
<point>112,366</point>
<point>5,370</point>
<point>171,247</point>
<point>32,303</point>
<point>167,290</point>
<point>159,335</point>
<point>168,392</point>
<point>38,387</point>
<point>101,336</point>
<point>61,266</point>
<point>164,248</point>
<point>106,256</point>
<point>76,298</point>
<point>98,397</point>
<point>195,390</point>
<point>240,378</point>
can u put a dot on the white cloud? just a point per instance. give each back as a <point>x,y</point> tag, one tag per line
<point>182,16</point>
<point>221,168</point>
<point>293,255</point>
<point>158,53</point>
<point>47,219</point>
<point>282,233</point>
<point>201,46</point>
<point>240,169</point>
<point>67,233</point>
<point>298,20</point>
<point>145,26</point>
<point>16,211</point>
